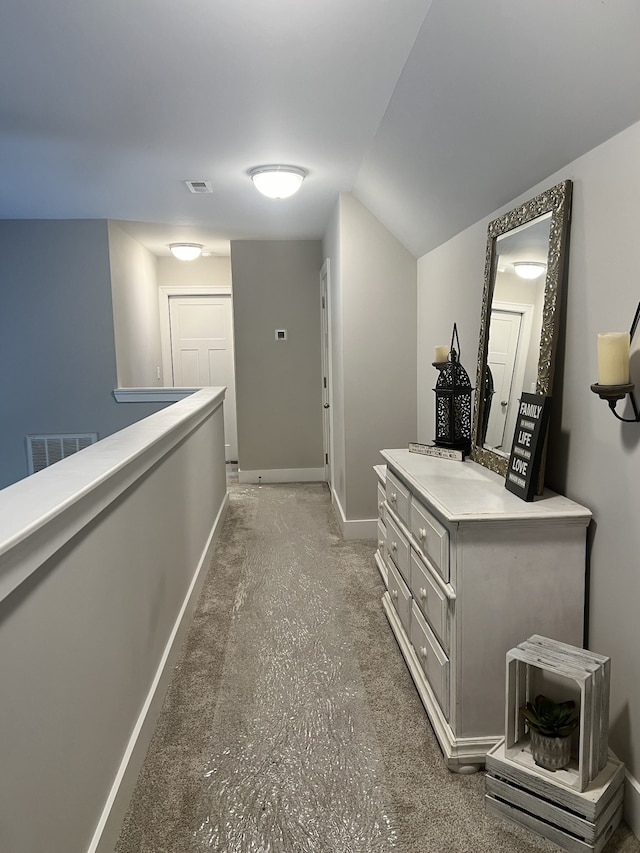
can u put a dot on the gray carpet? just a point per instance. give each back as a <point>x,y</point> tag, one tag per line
<point>291,724</point>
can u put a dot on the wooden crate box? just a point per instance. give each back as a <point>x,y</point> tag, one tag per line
<point>578,821</point>
<point>587,673</point>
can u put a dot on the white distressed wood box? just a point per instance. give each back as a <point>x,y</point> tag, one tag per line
<point>578,821</point>
<point>577,807</point>
<point>571,668</point>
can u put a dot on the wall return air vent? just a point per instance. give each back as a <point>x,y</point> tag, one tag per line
<point>45,450</point>
<point>199,186</point>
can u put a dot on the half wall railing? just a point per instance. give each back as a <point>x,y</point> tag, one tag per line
<point>101,560</point>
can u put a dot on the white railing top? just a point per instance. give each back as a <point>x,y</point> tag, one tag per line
<point>41,512</point>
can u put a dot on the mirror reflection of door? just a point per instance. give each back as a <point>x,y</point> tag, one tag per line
<point>509,337</point>
<point>202,352</point>
<point>501,356</point>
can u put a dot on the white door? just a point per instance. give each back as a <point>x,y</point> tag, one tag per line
<point>501,358</point>
<point>202,352</point>
<point>326,388</point>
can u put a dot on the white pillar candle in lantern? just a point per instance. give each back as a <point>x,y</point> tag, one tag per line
<point>441,354</point>
<point>613,358</point>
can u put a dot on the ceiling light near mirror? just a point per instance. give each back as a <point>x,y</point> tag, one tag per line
<point>529,269</point>
<point>277,181</point>
<point>185,251</point>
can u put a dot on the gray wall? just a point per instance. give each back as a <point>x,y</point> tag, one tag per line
<point>203,272</point>
<point>57,352</point>
<point>592,456</point>
<point>136,319</point>
<point>278,384</point>
<point>373,304</point>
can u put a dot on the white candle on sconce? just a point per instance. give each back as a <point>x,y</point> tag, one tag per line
<point>441,354</point>
<point>613,358</point>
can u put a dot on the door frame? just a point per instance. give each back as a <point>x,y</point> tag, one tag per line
<point>327,371</point>
<point>165,292</point>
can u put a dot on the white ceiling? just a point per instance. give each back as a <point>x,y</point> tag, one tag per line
<point>433,113</point>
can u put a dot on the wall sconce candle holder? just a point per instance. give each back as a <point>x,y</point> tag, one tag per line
<point>613,393</point>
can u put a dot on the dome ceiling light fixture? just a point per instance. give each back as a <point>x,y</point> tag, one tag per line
<point>529,269</point>
<point>277,181</point>
<point>186,251</point>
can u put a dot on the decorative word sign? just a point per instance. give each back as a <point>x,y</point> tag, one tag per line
<point>433,450</point>
<point>528,441</point>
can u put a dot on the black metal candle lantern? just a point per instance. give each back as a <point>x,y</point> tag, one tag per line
<point>453,401</point>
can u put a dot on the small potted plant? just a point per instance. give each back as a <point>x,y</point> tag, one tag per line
<point>550,726</point>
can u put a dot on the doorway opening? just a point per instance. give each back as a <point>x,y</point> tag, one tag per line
<point>198,347</point>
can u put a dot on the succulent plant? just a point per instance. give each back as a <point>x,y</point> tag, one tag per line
<point>549,718</point>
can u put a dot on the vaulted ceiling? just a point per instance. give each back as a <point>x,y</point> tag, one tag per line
<point>433,113</point>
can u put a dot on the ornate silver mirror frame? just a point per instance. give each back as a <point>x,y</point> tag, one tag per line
<point>553,208</point>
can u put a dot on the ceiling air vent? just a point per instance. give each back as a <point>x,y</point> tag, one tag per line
<point>45,450</point>
<point>199,186</point>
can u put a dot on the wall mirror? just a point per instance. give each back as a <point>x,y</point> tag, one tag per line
<point>519,322</point>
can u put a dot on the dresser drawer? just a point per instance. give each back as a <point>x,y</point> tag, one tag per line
<point>397,497</point>
<point>431,657</point>
<point>432,538</point>
<point>400,597</point>
<point>382,540</point>
<point>381,504</point>
<point>430,598</point>
<point>398,548</point>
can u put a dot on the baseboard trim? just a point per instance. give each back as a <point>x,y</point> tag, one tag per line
<point>282,475</point>
<point>361,528</point>
<point>109,826</point>
<point>631,811</point>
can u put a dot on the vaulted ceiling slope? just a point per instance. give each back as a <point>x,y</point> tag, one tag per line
<point>497,95</point>
<point>432,113</point>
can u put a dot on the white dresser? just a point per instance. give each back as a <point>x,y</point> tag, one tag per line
<point>471,571</point>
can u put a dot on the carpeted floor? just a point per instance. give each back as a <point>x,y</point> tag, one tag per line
<point>291,724</point>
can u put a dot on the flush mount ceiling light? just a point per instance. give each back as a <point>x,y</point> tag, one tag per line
<point>185,251</point>
<point>529,269</point>
<point>277,181</point>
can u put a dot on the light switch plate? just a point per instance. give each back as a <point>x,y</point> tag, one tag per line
<point>281,334</point>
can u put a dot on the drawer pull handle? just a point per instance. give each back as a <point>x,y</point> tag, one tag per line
<point>394,497</point>
<point>381,544</point>
<point>394,594</point>
<point>394,546</point>
<point>380,504</point>
<point>422,534</point>
<point>423,593</point>
<point>423,651</point>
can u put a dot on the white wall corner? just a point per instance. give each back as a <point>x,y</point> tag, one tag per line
<point>361,528</point>
<point>632,803</point>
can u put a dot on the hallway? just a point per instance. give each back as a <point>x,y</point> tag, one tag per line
<point>291,724</point>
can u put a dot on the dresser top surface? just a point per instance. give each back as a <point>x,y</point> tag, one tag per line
<point>465,491</point>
